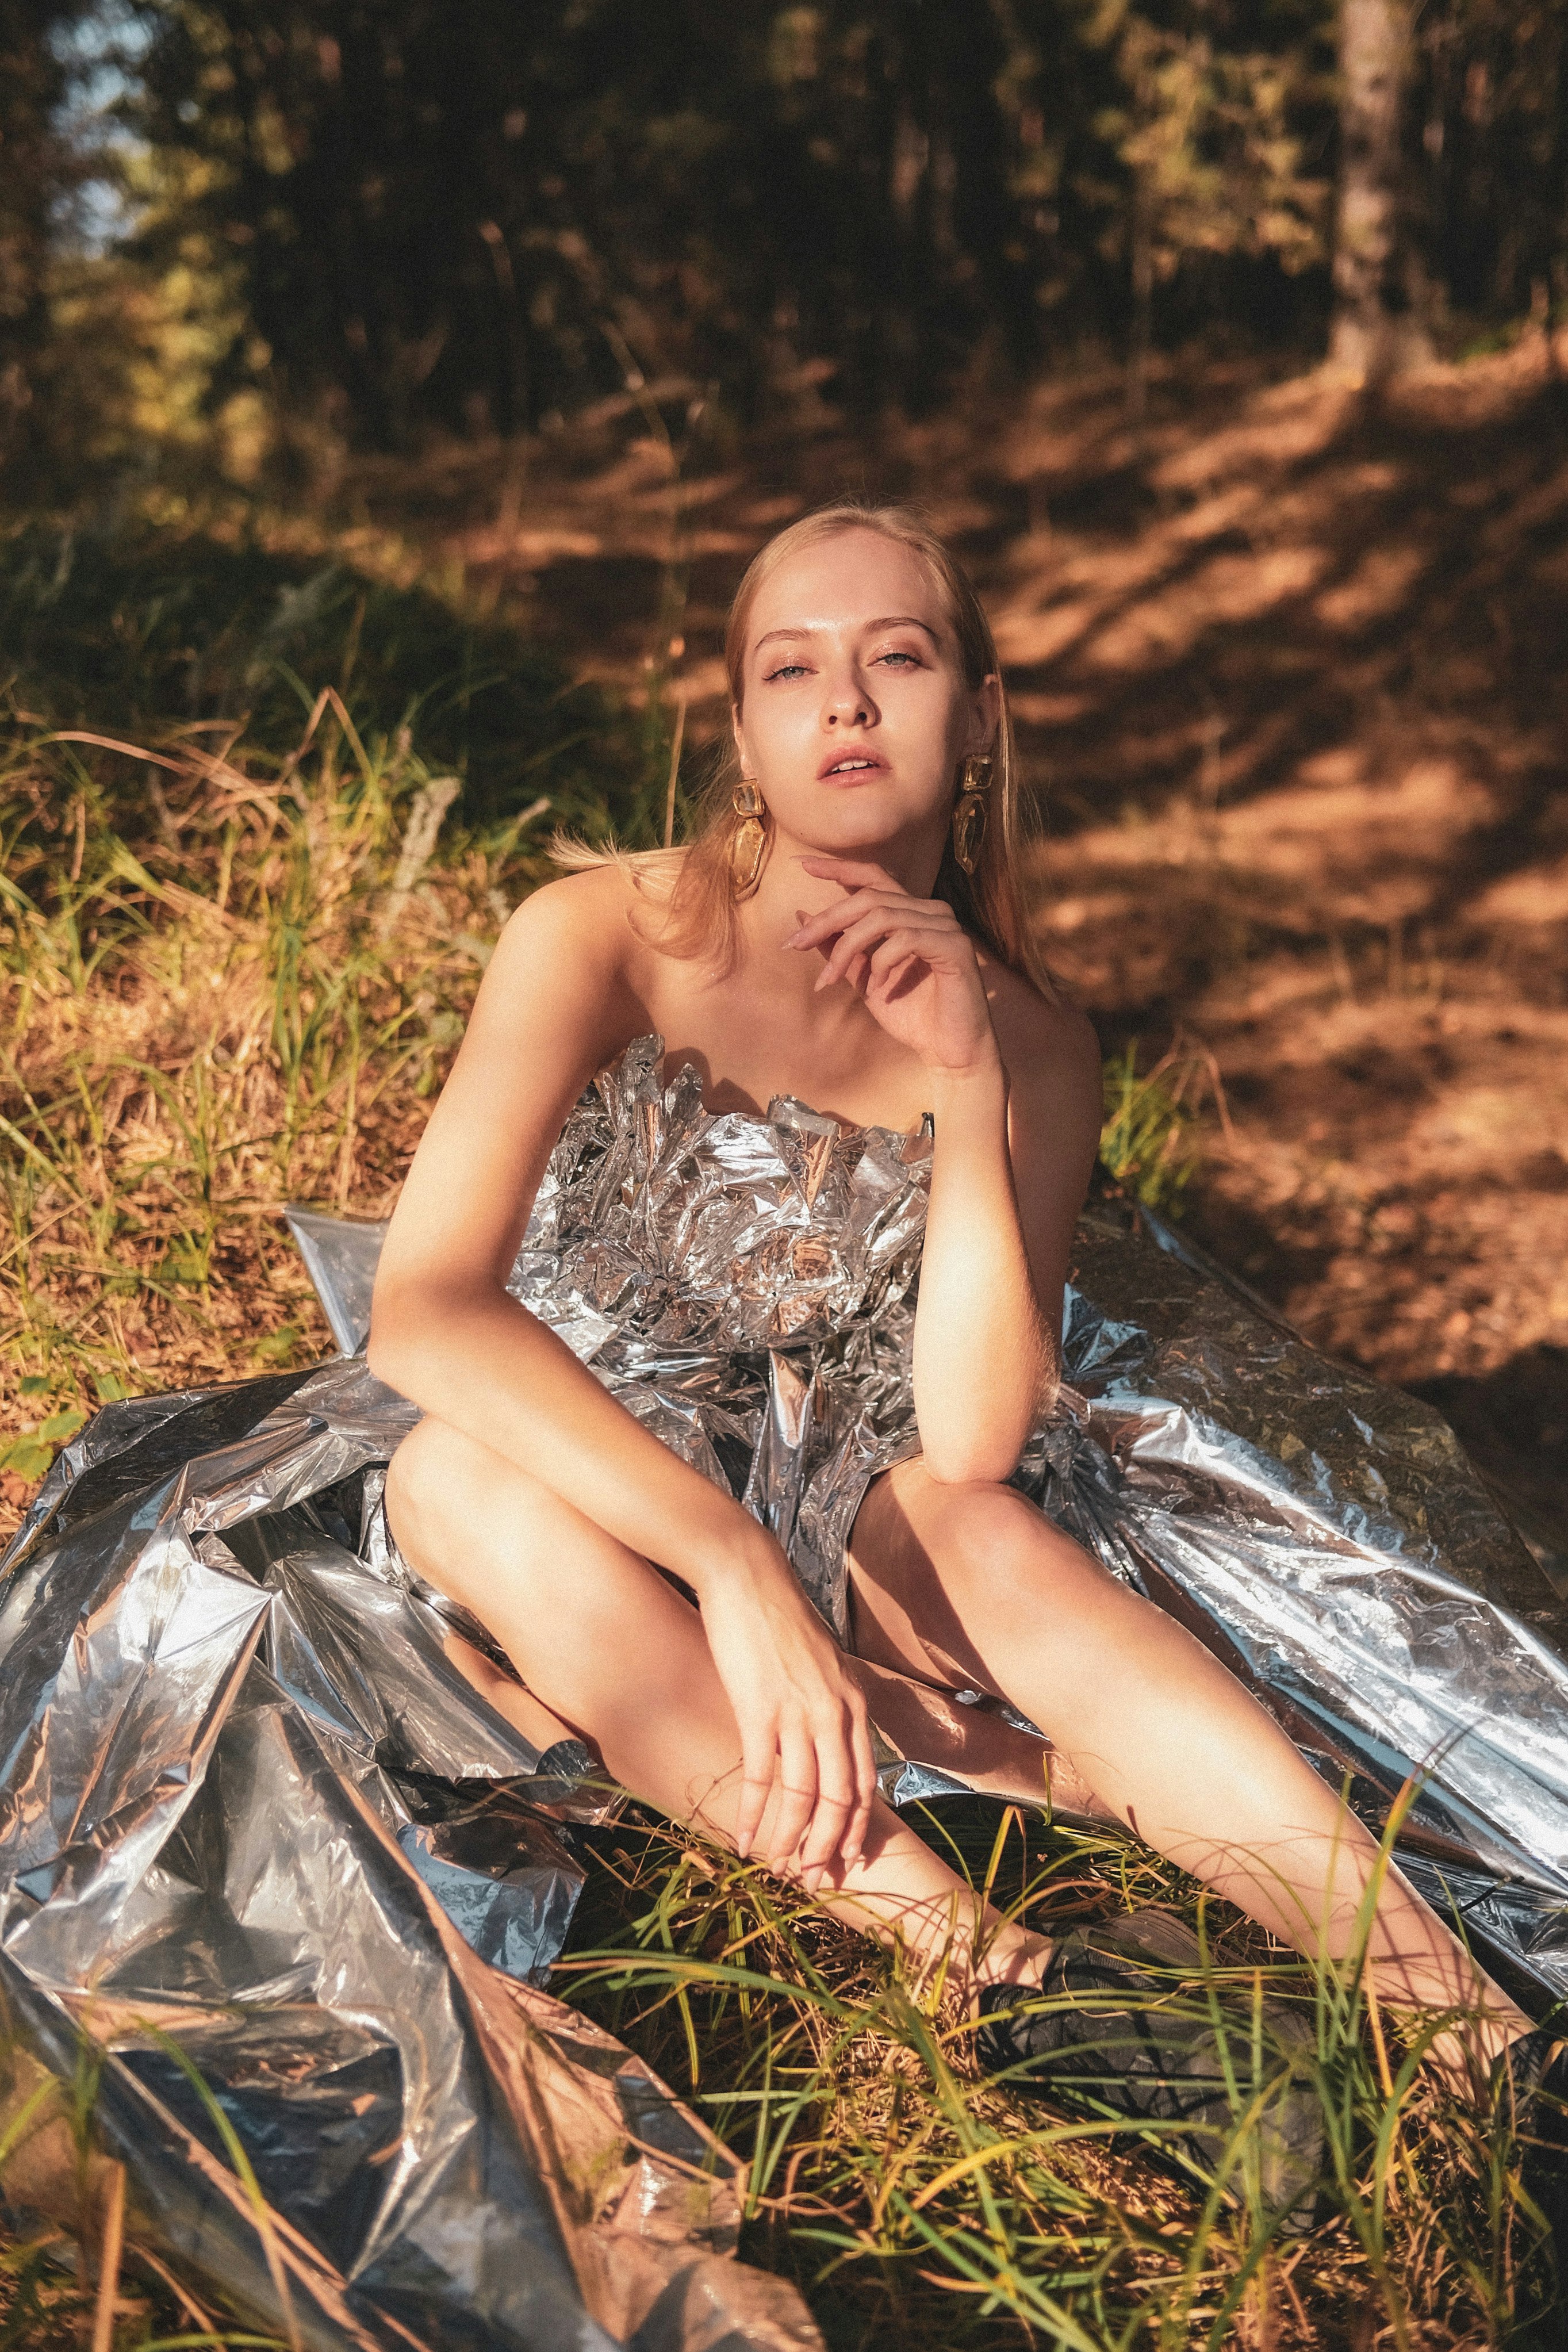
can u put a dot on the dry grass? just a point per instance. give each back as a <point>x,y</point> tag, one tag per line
<point>917,2203</point>
<point>252,1006</point>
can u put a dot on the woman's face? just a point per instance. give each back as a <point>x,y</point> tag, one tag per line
<point>855,713</point>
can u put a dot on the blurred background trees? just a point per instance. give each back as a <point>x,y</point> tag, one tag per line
<point>370,219</point>
<point>34,176</point>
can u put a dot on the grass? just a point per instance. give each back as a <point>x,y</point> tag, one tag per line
<point>916,2202</point>
<point>1151,1143</point>
<point>253,1006</point>
<point>233,967</point>
<point>74,2273</point>
<point>143,633</point>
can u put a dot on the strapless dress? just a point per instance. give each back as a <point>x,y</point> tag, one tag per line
<point>744,1284</point>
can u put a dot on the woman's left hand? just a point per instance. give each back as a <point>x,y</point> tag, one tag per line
<point>910,959</point>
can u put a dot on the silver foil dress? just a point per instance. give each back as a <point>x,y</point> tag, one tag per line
<point>248,1804</point>
<point>745,1287</point>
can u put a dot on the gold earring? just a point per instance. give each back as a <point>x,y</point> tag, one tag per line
<point>751,843</point>
<point>969,816</point>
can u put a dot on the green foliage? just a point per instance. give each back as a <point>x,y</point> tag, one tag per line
<point>1213,138</point>
<point>353,224</point>
<point>1148,1144</point>
<point>873,189</point>
<point>148,634</point>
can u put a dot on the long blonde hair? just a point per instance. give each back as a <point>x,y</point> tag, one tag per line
<point>700,914</point>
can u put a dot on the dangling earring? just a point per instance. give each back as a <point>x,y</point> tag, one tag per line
<point>969,816</point>
<point>749,847</point>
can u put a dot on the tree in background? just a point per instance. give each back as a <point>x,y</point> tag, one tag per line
<point>1487,119</point>
<point>34,178</point>
<point>1380,315</point>
<point>1218,165</point>
<point>471,214</point>
<point>361,221</point>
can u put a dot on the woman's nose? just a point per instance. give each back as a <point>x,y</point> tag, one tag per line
<point>848,703</point>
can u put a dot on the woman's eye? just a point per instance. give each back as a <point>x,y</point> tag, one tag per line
<point>786,669</point>
<point>908,661</point>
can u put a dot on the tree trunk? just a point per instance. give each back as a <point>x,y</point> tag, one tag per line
<point>31,175</point>
<point>1377,324</point>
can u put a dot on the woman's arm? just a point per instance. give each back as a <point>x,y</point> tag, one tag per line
<point>1015,1144</point>
<point>554,1007</point>
<point>1015,1095</point>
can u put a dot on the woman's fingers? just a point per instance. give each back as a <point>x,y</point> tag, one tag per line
<point>898,949</point>
<point>797,1782</point>
<point>894,907</point>
<point>758,1762</point>
<point>836,1793</point>
<point>857,939</point>
<point>865,1760</point>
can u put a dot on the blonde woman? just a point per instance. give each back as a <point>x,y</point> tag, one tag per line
<point>840,964</point>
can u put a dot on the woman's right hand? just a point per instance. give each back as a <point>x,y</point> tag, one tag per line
<point>802,1719</point>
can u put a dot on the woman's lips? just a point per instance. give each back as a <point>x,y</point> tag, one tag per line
<point>844,767</point>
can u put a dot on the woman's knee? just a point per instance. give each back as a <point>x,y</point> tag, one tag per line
<point>414,1476</point>
<point>997,1536</point>
<point>439,1483</point>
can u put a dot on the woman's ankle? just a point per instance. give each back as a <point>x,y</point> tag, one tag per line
<point>1017,1962</point>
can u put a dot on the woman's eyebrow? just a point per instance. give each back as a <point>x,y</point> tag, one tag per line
<point>889,620</point>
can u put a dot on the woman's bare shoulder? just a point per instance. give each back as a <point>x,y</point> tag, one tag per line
<point>590,910</point>
<point>563,980</point>
<point>1044,1040</point>
<point>590,925</point>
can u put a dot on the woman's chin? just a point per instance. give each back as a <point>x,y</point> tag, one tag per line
<point>870,836</point>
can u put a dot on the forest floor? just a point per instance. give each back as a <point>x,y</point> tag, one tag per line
<point>1292,668</point>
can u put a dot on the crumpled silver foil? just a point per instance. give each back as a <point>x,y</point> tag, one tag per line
<point>248,1804</point>
<point>247,1808</point>
<point>1327,1536</point>
<point>742,1286</point>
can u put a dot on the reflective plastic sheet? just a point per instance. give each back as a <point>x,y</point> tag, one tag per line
<point>246,1802</point>
<point>247,1805</point>
<point>1328,1537</point>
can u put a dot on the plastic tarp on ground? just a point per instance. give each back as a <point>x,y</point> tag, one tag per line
<point>249,1813</point>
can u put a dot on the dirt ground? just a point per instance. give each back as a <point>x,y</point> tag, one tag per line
<point>1288,665</point>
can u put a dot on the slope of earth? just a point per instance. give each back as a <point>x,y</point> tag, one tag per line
<point>1288,665</point>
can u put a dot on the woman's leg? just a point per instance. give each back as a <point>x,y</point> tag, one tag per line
<point>975,1584</point>
<point>615,1651</point>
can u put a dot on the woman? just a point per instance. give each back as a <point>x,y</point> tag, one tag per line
<point>847,929</point>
